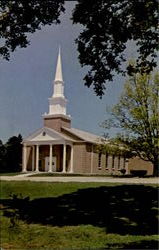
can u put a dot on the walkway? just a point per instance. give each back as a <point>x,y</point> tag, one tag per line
<point>27,177</point>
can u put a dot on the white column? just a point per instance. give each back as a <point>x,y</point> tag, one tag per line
<point>33,157</point>
<point>50,159</point>
<point>24,159</point>
<point>71,167</point>
<point>64,158</point>
<point>37,158</point>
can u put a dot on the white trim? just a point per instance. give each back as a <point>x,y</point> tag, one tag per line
<point>64,158</point>
<point>50,160</point>
<point>67,117</point>
<point>24,158</point>
<point>56,136</point>
<point>30,143</point>
<point>71,167</point>
<point>37,158</point>
<point>33,157</point>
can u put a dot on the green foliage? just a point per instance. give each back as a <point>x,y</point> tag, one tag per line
<point>11,155</point>
<point>108,26</point>
<point>137,113</point>
<point>114,148</point>
<point>18,18</point>
<point>2,153</point>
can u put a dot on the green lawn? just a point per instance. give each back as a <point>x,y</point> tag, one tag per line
<point>45,174</point>
<point>10,174</point>
<point>78,216</point>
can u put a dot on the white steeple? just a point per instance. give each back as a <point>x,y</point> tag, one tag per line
<point>57,103</point>
<point>58,74</point>
<point>58,82</point>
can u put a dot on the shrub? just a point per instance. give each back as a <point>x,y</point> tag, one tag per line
<point>122,171</point>
<point>139,173</point>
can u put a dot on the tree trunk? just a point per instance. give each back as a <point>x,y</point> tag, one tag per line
<point>156,168</point>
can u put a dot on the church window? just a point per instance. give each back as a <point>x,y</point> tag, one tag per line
<point>113,161</point>
<point>119,161</point>
<point>44,133</point>
<point>99,160</point>
<point>106,161</point>
<point>124,162</point>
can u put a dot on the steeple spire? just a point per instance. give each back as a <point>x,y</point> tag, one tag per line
<point>57,103</point>
<point>58,74</point>
<point>57,116</point>
<point>58,82</point>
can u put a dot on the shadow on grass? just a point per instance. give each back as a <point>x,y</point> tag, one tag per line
<point>125,209</point>
<point>144,244</point>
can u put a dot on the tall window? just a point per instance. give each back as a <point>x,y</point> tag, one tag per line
<point>124,162</point>
<point>119,157</point>
<point>99,160</point>
<point>106,161</point>
<point>113,161</point>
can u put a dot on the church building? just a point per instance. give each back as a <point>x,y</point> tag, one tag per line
<point>57,147</point>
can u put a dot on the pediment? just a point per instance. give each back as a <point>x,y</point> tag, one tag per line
<point>44,134</point>
<point>43,137</point>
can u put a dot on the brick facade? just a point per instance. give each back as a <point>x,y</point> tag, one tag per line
<point>87,161</point>
<point>136,163</point>
<point>85,158</point>
<point>81,158</point>
<point>57,122</point>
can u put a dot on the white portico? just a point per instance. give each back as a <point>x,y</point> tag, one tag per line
<point>47,150</point>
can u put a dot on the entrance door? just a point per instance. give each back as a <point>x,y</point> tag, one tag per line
<point>47,163</point>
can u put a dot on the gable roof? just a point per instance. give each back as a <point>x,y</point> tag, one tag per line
<point>83,135</point>
<point>47,134</point>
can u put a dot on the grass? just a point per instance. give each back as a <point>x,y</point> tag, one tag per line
<point>10,174</point>
<point>43,174</point>
<point>26,236</point>
<point>46,174</point>
<point>40,189</point>
<point>78,216</point>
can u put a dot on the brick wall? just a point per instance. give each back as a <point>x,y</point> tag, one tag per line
<point>108,168</point>
<point>82,156</point>
<point>119,163</point>
<point>84,161</point>
<point>57,123</point>
<point>136,163</point>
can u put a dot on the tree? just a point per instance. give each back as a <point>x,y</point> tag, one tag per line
<point>108,26</point>
<point>137,114</point>
<point>13,156</point>
<point>2,156</point>
<point>20,17</point>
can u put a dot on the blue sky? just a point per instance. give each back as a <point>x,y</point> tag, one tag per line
<point>26,83</point>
